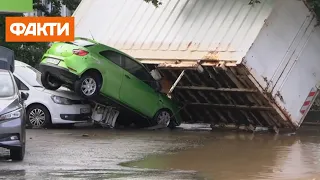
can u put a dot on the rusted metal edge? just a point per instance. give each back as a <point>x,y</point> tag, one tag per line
<point>272,102</point>
<point>187,63</point>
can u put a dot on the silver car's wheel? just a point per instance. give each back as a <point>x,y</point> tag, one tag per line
<point>37,117</point>
<point>88,86</point>
<point>164,118</point>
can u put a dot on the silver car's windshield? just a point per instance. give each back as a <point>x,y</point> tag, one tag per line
<point>6,85</point>
<point>28,74</point>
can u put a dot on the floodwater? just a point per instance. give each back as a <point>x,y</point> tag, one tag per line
<point>165,154</point>
<point>241,156</point>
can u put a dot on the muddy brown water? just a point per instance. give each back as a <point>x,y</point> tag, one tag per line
<point>165,154</point>
<point>242,156</point>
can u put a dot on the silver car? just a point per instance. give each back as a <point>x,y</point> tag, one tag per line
<point>12,116</point>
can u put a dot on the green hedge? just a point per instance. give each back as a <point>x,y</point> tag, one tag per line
<point>315,5</point>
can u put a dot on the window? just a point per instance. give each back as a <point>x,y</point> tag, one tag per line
<point>6,85</point>
<point>112,56</point>
<point>21,85</point>
<point>137,70</point>
<point>28,74</point>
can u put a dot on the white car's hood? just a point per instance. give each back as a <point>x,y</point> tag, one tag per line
<point>62,92</point>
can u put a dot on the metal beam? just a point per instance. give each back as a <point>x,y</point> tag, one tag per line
<point>216,89</point>
<point>175,83</point>
<point>231,106</point>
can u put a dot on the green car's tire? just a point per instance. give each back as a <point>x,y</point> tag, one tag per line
<point>88,86</point>
<point>163,117</point>
<point>49,82</point>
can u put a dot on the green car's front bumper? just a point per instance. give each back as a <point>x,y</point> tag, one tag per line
<point>61,73</point>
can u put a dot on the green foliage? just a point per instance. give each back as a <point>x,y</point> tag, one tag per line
<point>252,2</point>
<point>71,4</point>
<point>154,2</point>
<point>315,5</point>
<point>31,53</point>
<point>26,52</point>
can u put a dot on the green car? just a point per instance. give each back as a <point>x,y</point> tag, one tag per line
<point>96,71</point>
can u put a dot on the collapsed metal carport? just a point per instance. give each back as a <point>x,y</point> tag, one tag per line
<point>221,96</point>
<point>251,55</point>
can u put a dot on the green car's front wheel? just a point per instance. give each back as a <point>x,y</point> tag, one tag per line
<point>88,86</point>
<point>49,82</point>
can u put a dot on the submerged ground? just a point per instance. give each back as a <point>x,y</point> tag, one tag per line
<point>164,154</point>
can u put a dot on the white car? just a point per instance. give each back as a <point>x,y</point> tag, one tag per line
<point>46,107</point>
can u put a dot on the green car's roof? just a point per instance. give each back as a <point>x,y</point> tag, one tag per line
<point>107,47</point>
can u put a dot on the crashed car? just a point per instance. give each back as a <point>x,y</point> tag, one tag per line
<point>46,107</point>
<point>92,69</point>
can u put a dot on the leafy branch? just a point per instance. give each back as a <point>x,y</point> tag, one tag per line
<point>156,3</point>
<point>253,2</point>
<point>315,6</point>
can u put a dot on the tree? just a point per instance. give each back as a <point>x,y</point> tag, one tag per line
<point>71,4</point>
<point>31,53</point>
<point>315,5</point>
<point>154,2</point>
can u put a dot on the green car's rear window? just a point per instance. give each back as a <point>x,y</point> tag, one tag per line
<point>81,42</point>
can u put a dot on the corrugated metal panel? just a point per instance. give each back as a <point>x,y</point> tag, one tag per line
<point>284,59</point>
<point>183,29</point>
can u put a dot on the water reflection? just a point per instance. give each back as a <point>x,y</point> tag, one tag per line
<point>244,157</point>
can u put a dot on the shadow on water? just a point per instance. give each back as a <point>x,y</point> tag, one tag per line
<point>237,156</point>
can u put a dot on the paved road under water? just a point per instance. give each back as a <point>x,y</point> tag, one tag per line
<point>165,154</point>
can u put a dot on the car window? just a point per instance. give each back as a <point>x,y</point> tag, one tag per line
<point>137,70</point>
<point>6,85</point>
<point>21,85</point>
<point>28,74</point>
<point>112,56</point>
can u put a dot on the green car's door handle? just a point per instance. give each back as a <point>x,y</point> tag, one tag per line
<point>127,76</point>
